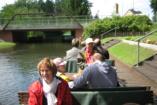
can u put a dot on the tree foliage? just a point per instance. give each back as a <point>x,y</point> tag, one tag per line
<point>124,24</point>
<point>153,4</point>
<point>57,7</point>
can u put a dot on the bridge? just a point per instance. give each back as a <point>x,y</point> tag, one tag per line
<point>42,22</point>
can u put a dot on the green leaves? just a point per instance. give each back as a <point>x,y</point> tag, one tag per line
<point>57,7</point>
<point>140,23</point>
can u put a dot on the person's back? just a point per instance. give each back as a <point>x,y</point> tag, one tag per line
<point>102,75</point>
<point>97,75</point>
<point>74,51</point>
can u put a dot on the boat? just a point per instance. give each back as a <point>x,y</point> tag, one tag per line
<point>105,96</point>
<point>122,95</point>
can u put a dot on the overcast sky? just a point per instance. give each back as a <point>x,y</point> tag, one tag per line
<point>106,7</point>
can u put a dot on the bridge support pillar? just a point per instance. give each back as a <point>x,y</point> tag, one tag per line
<point>78,33</point>
<point>6,36</point>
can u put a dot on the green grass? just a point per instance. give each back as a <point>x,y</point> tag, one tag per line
<point>128,53</point>
<point>4,45</point>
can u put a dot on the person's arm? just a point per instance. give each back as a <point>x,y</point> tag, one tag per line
<point>35,93</point>
<point>32,100</point>
<point>82,80</point>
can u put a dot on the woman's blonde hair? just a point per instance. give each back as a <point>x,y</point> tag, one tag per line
<point>48,63</point>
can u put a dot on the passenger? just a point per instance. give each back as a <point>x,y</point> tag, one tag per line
<point>60,64</point>
<point>74,51</point>
<point>49,90</point>
<point>82,44</point>
<point>96,75</point>
<point>87,52</point>
<point>100,49</point>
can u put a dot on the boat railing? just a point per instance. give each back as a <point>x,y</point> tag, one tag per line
<point>106,96</point>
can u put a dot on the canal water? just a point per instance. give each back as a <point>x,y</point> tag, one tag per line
<point>18,67</point>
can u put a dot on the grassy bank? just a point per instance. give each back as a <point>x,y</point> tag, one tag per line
<point>128,53</point>
<point>4,45</point>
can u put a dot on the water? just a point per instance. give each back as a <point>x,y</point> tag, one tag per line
<point>18,67</point>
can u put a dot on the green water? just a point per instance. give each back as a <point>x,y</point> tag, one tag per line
<point>18,67</point>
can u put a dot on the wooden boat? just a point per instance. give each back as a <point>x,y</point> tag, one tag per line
<point>106,96</point>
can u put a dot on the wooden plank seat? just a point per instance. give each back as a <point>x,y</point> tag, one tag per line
<point>106,96</point>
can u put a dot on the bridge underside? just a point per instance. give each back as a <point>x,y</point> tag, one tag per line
<point>17,28</point>
<point>48,35</point>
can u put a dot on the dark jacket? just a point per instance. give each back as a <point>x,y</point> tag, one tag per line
<point>104,52</point>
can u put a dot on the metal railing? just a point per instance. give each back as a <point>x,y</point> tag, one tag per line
<point>113,29</point>
<point>138,45</point>
<point>49,21</point>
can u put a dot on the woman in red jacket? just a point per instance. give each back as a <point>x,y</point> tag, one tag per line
<point>49,90</point>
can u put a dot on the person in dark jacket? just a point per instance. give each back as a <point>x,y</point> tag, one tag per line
<point>99,74</point>
<point>49,90</point>
<point>100,49</point>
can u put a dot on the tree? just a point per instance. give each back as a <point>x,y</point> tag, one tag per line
<point>73,7</point>
<point>40,5</point>
<point>8,11</point>
<point>139,23</point>
<point>49,7</point>
<point>59,7</point>
<point>153,4</point>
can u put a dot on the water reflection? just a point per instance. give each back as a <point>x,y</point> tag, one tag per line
<point>18,67</point>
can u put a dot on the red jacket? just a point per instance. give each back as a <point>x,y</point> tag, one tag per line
<point>36,93</point>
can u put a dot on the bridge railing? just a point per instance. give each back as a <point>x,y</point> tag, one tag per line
<point>47,21</point>
<point>40,22</point>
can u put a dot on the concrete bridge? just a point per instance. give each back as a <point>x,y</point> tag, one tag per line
<point>10,29</point>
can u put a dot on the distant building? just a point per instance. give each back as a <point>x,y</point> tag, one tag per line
<point>132,12</point>
<point>117,8</point>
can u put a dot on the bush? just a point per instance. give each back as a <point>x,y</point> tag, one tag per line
<point>139,23</point>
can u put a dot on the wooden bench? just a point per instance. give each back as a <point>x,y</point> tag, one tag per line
<point>106,96</point>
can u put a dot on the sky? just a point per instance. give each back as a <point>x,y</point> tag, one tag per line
<point>105,8</point>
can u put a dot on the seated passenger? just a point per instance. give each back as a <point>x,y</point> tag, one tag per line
<point>60,64</point>
<point>49,90</point>
<point>87,51</point>
<point>74,51</point>
<point>96,75</point>
<point>100,49</point>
